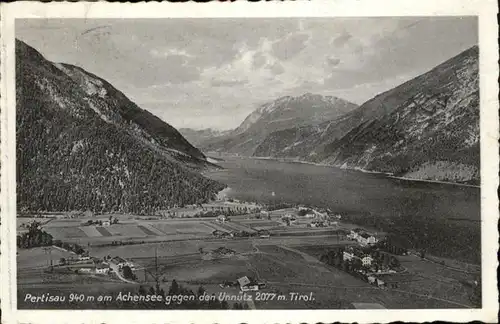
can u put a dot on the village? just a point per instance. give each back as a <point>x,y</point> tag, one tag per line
<point>231,219</point>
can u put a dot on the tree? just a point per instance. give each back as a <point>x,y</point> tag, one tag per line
<point>394,263</point>
<point>62,261</point>
<point>422,253</point>
<point>128,273</point>
<point>174,288</point>
<point>201,291</point>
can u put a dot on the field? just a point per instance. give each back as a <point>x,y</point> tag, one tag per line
<point>40,257</point>
<point>288,261</point>
<point>172,228</point>
<point>285,265</point>
<point>262,224</point>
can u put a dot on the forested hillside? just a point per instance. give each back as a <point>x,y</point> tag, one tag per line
<point>82,145</point>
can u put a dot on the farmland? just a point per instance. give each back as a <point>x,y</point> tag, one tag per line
<point>288,261</point>
<point>286,264</point>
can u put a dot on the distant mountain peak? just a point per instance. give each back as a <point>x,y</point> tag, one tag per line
<point>282,113</point>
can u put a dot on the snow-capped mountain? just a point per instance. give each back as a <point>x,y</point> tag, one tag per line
<point>283,113</point>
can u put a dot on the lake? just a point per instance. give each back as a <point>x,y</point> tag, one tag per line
<point>442,218</point>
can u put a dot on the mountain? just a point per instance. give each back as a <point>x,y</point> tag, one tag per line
<point>83,145</point>
<point>426,128</point>
<point>197,137</point>
<point>283,113</point>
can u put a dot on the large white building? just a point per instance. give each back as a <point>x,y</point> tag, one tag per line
<point>367,260</point>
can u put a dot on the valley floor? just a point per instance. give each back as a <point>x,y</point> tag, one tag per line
<point>288,264</point>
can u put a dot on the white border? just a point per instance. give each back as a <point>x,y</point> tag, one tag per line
<point>488,48</point>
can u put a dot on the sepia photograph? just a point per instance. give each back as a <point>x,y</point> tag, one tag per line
<point>249,163</point>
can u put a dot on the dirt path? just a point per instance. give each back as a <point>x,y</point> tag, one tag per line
<point>304,255</point>
<point>309,258</point>
<point>115,269</point>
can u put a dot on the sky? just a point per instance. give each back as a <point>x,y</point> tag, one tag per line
<point>212,73</point>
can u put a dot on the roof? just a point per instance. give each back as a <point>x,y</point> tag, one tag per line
<point>243,281</point>
<point>367,306</point>
<point>119,259</point>
<point>101,266</point>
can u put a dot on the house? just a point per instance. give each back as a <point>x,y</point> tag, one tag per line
<point>353,235</point>
<point>367,260</point>
<point>83,258</point>
<point>264,213</point>
<point>371,279</point>
<point>84,270</point>
<point>371,239</point>
<point>320,214</point>
<point>247,284</point>
<point>218,233</point>
<point>366,239</point>
<point>348,256</point>
<point>101,269</point>
<point>363,238</point>
<point>263,233</point>
<point>221,218</point>
<point>106,223</point>
<point>120,262</point>
<point>243,281</point>
<point>380,283</point>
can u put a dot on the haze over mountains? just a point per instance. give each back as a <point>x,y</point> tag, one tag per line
<point>283,113</point>
<point>83,145</point>
<point>426,128</point>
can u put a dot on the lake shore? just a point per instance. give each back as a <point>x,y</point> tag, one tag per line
<point>436,181</point>
<point>388,174</point>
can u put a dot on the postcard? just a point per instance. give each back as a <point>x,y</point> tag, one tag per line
<point>276,162</point>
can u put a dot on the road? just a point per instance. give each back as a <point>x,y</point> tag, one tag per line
<point>114,267</point>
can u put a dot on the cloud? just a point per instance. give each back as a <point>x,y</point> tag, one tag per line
<point>186,70</point>
<point>332,61</point>
<point>276,68</point>
<point>227,83</point>
<point>169,52</point>
<point>259,60</point>
<point>290,46</point>
<point>341,40</point>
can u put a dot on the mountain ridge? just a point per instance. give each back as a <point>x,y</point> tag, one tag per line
<point>82,144</point>
<point>282,113</point>
<point>385,133</point>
